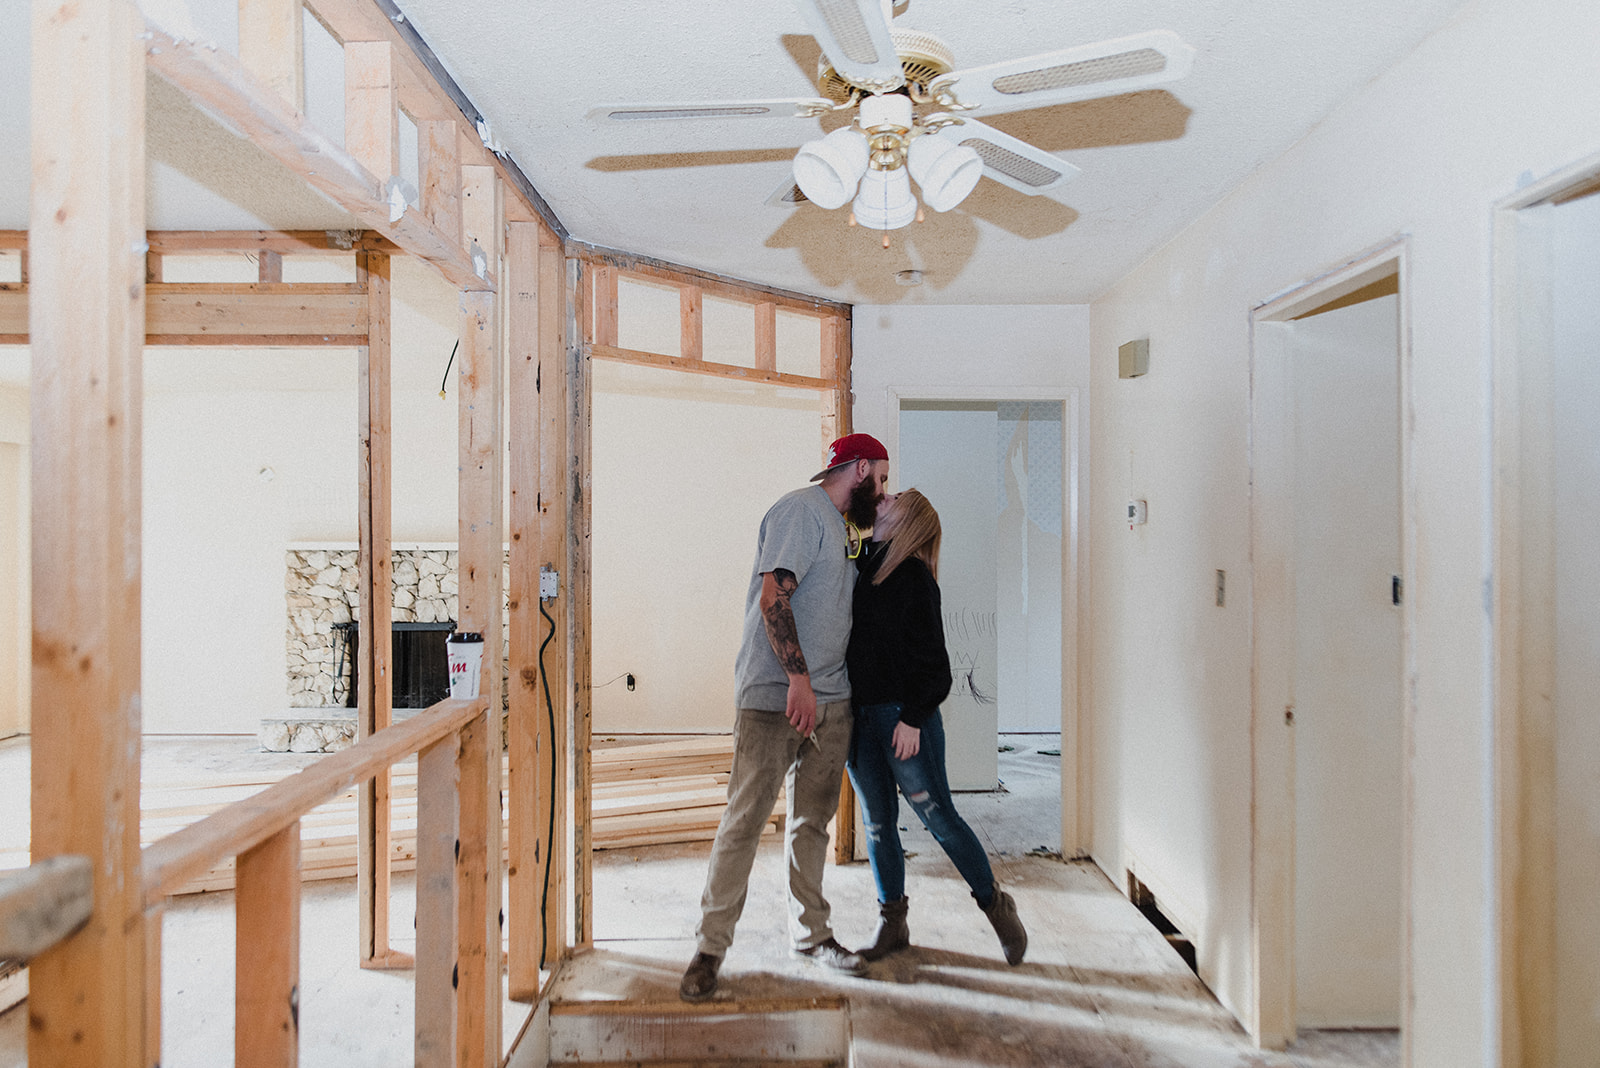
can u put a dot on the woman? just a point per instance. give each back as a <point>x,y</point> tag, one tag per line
<point>899,672</point>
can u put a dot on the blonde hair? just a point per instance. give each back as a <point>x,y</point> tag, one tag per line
<point>917,533</point>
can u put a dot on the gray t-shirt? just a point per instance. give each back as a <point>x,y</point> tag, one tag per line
<point>805,534</point>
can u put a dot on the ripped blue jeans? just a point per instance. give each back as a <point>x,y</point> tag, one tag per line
<point>876,775</point>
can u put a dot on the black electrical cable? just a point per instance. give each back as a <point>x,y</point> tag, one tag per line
<point>448,364</point>
<point>550,834</point>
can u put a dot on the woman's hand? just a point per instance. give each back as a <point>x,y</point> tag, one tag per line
<point>907,740</point>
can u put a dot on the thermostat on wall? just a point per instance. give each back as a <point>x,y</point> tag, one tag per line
<point>1138,512</point>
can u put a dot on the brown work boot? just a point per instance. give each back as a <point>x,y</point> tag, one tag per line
<point>1002,913</point>
<point>831,954</point>
<point>893,933</point>
<point>700,980</point>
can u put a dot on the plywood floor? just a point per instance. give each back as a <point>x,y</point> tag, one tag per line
<point>1100,988</point>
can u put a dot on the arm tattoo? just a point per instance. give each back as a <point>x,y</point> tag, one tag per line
<point>781,632</point>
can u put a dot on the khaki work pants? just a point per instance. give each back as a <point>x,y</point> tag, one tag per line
<point>767,754</point>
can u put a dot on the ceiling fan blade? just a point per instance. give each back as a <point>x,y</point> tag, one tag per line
<point>794,108</point>
<point>1106,68</point>
<point>854,35</point>
<point>1009,160</point>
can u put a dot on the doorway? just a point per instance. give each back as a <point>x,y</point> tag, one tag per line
<point>1546,623</point>
<point>1329,649</point>
<point>998,470</point>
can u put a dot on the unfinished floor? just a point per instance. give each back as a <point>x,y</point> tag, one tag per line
<point>1100,987</point>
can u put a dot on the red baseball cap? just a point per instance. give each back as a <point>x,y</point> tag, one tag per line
<point>849,449</point>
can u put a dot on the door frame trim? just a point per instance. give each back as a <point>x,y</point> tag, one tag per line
<point>1271,1007</point>
<point>1076,792</point>
<point>1522,595</point>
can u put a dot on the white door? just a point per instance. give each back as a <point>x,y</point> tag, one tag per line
<point>1347,665</point>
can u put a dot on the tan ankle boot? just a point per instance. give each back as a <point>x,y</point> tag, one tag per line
<point>893,934</point>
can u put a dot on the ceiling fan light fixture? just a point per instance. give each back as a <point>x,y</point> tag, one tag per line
<point>828,169</point>
<point>885,201</point>
<point>945,171</point>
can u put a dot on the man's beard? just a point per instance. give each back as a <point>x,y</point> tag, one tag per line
<point>862,508</point>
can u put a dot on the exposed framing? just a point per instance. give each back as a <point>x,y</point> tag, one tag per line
<point>1522,621</point>
<point>598,326</point>
<point>1269,1015</point>
<point>487,232</point>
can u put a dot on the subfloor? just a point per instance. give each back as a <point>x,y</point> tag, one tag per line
<point>1100,987</point>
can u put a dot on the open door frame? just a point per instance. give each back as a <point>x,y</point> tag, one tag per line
<point>1271,1009</point>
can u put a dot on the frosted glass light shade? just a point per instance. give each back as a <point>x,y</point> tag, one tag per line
<point>944,170</point>
<point>828,169</point>
<point>885,201</point>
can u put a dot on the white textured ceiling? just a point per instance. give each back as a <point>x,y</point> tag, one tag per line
<point>697,193</point>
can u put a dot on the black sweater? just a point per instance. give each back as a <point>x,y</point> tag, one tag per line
<point>897,648</point>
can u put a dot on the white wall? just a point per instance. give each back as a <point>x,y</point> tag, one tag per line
<point>247,451</point>
<point>1506,89</point>
<point>684,468</point>
<point>16,625</point>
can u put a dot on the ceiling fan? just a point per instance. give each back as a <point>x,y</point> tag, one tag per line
<point>913,111</point>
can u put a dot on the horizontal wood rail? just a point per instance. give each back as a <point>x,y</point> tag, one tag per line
<point>701,367</point>
<point>243,825</point>
<point>217,81</point>
<point>43,904</point>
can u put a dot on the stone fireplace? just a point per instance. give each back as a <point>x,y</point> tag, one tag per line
<point>322,594</point>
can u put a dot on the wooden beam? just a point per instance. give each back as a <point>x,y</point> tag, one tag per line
<point>269,268</point>
<point>192,313</point>
<point>605,307</point>
<point>272,46</point>
<point>87,995</point>
<point>44,903</point>
<point>256,241</point>
<point>580,527</point>
<point>554,551</point>
<point>717,370</point>
<point>439,171</point>
<point>481,597</point>
<point>437,829</point>
<point>375,692</point>
<point>266,994</point>
<point>526,729</point>
<point>766,336</point>
<point>691,324</point>
<point>216,81</point>
<point>713,284</point>
<point>477,993</point>
<point>186,854</point>
<point>836,423</point>
<point>371,112</point>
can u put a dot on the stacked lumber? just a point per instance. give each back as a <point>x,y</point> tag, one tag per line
<point>651,793</point>
<point>657,793</point>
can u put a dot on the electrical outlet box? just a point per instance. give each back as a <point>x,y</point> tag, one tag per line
<point>1138,512</point>
<point>549,583</point>
<point>1133,359</point>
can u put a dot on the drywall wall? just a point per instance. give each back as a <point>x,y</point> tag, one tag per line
<point>1505,90</point>
<point>249,451</point>
<point>16,668</point>
<point>684,468</point>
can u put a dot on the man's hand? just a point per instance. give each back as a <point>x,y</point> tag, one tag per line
<point>907,740</point>
<point>776,589</point>
<point>802,705</point>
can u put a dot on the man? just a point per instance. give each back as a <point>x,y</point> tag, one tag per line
<point>793,698</point>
